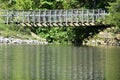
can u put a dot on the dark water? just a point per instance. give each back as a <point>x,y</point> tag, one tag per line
<point>58,62</point>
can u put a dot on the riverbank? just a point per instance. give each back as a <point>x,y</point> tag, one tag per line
<point>90,36</point>
<point>13,34</point>
<point>11,40</point>
<point>108,37</point>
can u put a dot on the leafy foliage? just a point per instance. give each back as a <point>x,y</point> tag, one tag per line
<point>53,34</point>
<point>53,4</point>
<point>64,34</point>
<point>73,35</point>
<point>114,17</point>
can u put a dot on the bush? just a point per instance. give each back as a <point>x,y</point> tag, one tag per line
<point>114,17</point>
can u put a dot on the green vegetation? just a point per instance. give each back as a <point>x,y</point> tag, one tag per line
<point>53,4</point>
<point>15,31</point>
<point>61,34</point>
<point>54,34</point>
<point>64,35</point>
<point>114,10</point>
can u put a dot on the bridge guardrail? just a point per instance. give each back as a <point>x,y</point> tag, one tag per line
<point>51,16</point>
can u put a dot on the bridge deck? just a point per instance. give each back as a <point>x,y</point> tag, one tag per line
<point>52,17</point>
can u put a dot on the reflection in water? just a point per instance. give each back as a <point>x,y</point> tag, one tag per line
<point>51,62</point>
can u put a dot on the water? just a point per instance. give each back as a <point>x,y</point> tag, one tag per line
<point>59,62</point>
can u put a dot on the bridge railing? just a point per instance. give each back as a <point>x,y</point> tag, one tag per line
<point>51,16</point>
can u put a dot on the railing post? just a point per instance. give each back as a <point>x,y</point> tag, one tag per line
<point>10,16</point>
<point>23,21</point>
<point>17,16</point>
<point>104,15</point>
<point>77,16</point>
<point>7,16</point>
<point>61,16</point>
<point>66,13</point>
<point>58,15</point>
<point>82,16</point>
<point>39,16</point>
<point>71,16</point>
<point>87,16</point>
<point>50,17</point>
<point>55,16</point>
<point>28,16</point>
<point>93,15</point>
<point>33,15</point>
<point>97,12</point>
<point>44,19</point>
<point>98,15</point>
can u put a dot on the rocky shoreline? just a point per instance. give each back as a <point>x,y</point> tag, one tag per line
<point>11,40</point>
<point>106,37</point>
<point>108,42</point>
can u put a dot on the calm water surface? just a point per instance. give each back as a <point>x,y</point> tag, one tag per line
<point>59,62</point>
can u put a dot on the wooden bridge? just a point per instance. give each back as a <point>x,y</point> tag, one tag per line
<point>53,17</point>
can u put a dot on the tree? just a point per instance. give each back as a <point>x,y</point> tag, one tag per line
<point>17,4</point>
<point>114,17</point>
<point>23,4</point>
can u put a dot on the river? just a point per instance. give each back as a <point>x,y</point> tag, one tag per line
<point>59,62</point>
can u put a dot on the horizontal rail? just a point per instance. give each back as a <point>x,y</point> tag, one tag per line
<point>51,16</point>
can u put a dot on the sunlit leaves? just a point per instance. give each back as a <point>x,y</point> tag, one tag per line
<point>23,4</point>
<point>114,17</point>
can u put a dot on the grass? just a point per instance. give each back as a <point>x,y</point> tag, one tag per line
<point>15,31</point>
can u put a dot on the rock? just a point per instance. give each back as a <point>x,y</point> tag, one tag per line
<point>20,41</point>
